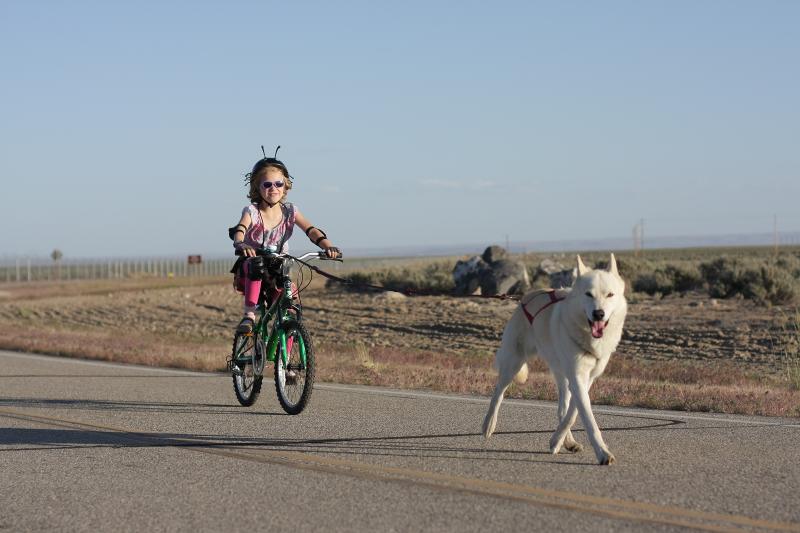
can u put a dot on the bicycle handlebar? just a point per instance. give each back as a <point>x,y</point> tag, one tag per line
<point>315,255</point>
<point>318,255</point>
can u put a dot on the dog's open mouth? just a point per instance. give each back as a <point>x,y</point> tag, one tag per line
<point>597,327</point>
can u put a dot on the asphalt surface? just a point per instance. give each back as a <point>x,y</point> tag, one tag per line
<point>87,446</point>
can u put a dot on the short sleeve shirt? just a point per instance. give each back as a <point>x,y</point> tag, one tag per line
<point>258,236</point>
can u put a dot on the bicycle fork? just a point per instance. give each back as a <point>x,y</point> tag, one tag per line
<point>278,343</point>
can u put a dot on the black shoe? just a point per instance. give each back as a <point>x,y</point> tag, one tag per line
<point>245,327</point>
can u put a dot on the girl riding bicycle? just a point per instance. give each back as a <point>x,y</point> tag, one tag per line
<point>268,221</point>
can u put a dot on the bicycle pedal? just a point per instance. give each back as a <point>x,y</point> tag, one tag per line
<point>233,368</point>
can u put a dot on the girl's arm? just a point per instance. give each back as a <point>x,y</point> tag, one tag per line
<point>316,235</point>
<point>238,237</point>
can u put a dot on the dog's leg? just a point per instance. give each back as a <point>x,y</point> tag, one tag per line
<point>563,434</point>
<point>579,387</point>
<point>565,423</point>
<point>509,364</point>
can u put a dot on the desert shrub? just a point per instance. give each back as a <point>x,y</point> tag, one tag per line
<point>766,281</point>
<point>668,279</point>
<point>433,277</point>
<point>685,277</point>
<point>629,268</point>
<point>776,285</point>
<point>655,282</point>
<point>790,263</point>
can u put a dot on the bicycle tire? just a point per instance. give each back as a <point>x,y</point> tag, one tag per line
<point>246,385</point>
<point>293,385</point>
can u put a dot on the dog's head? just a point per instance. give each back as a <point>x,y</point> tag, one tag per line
<point>601,293</point>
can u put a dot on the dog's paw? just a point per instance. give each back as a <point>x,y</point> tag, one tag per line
<point>573,447</point>
<point>606,458</point>
<point>555,444</point>
<point>488,427</point>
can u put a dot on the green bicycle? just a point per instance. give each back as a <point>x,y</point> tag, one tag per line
<point>287,344</point>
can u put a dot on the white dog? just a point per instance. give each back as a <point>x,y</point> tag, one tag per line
<point>574,330</point>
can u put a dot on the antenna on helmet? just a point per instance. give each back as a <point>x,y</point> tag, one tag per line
<point>263,152</point>
<point>276,152</point>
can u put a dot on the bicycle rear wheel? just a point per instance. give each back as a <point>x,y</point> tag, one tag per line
<point>246,385</point>
<point>294,374</point>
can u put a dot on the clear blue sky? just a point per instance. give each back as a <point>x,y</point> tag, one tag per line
<point>126,128</point>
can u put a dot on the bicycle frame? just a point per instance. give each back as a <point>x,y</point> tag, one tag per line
<point>272,338</point>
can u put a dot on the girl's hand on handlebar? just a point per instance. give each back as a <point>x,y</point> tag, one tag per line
<point>246,249</point>
<point>333,252</point>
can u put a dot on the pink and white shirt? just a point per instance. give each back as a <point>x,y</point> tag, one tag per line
<point>256,235</point>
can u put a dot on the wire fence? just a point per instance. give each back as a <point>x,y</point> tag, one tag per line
<point>22,270</point>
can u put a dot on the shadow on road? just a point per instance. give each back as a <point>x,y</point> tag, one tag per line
<point>467,445</point>
<point>126,406</point>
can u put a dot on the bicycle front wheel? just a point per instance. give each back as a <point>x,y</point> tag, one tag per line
<point>246,383</point>
<point>294,368</point>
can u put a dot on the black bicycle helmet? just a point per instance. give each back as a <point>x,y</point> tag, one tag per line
<point>267,162</point>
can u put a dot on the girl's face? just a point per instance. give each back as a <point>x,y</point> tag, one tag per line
<point>268,183</point>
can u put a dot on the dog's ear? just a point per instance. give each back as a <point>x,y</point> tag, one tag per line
<point>581,267</point>
<point>612,266</point>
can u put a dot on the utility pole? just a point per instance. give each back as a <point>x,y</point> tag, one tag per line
<point>775,232</point>
<point>641,234</point>
<point>638,238</point>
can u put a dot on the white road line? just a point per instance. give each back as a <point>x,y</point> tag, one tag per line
<point>106,364</point>
<point>762,421</point>
<point>364,389</point>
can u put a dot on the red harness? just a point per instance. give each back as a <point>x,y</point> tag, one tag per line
<point>553,299</point>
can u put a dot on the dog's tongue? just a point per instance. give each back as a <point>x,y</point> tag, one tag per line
<point>597,328</point>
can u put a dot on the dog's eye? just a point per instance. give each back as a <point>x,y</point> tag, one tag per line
<point>589,294</point>
<point>609,295</point>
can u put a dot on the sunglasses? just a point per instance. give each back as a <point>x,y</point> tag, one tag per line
<point>266,185</point>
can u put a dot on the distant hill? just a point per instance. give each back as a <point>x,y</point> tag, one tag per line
<point>438,250</point>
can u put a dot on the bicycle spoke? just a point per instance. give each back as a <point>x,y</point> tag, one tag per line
<point>294,378</point>
<point>247,382</point>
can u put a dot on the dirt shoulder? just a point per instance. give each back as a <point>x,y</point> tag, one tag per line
<point>689,352</point>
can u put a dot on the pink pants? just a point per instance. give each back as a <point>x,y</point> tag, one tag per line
<point>251,292</point>
<point>253,288</point>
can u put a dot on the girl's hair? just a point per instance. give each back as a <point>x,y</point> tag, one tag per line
<point>253,178</point>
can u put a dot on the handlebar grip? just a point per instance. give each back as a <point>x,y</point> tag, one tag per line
<point>259,252</point>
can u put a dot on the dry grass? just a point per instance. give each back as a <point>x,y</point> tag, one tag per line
<point>791,349</point>
<point>655,385</point>
<point>117,346</point>
<point>675,386</point>
<point>49,289</point>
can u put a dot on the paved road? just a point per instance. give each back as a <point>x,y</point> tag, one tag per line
<point>91,446</point>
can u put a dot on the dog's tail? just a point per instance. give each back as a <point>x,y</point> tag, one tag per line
<point>522,376</point>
